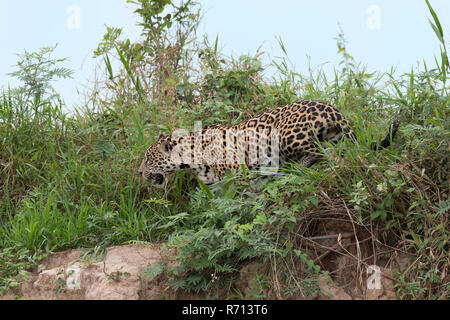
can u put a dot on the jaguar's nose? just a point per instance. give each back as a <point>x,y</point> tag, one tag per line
<point>140,172</point>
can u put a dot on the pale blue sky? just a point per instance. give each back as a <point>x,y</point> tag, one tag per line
<point>380,33</point>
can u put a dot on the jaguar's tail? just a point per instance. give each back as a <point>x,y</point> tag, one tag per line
<point>387,141</point>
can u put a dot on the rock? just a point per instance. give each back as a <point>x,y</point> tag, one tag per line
<point>73,276</point>
<point>118,277</point>
<point>245,283</point>
<point>330,291</point>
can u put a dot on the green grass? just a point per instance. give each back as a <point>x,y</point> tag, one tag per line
<point>69,180</point>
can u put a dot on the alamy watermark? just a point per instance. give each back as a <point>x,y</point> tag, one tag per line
<point>231,146</point>
<point>373,277</point>
<point>373,21</point>
<point>73,22</point>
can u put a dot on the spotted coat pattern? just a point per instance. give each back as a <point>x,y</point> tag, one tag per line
<point>291,132</point>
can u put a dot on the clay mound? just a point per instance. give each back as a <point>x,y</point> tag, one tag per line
<point>118,273</point>
<point>67,275</point>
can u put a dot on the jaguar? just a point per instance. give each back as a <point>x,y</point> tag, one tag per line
<point>291,132</point>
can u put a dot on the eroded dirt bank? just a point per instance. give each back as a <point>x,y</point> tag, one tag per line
<point>119,273</point>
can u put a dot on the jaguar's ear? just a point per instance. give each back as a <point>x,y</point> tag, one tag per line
<point>165,147</point>
<point>161,136</point>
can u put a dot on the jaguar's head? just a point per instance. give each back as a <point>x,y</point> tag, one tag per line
<point>157,165</point>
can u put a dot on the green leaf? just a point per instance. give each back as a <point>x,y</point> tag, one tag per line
<point>205,188</point>
<point>445,62</point>
<point>437,32</point>
<point>260,218</point>
<point>314,201</point>
<point>378,213</point>
<point>437,28</point>
<point>153,271</point>
<point>125,63</point>
<point>108,66</point>
<point>436,123</point>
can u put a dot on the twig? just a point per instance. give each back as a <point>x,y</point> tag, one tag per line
<point>332,236</point>
<point>358,248</point>
<point>326,253</point>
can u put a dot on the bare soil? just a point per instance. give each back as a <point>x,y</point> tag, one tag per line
<point>117,274</point>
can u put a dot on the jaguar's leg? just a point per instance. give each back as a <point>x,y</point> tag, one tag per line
<point>309,160</point>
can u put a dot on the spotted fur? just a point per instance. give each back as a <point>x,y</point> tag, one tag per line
<point>289,132</point>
